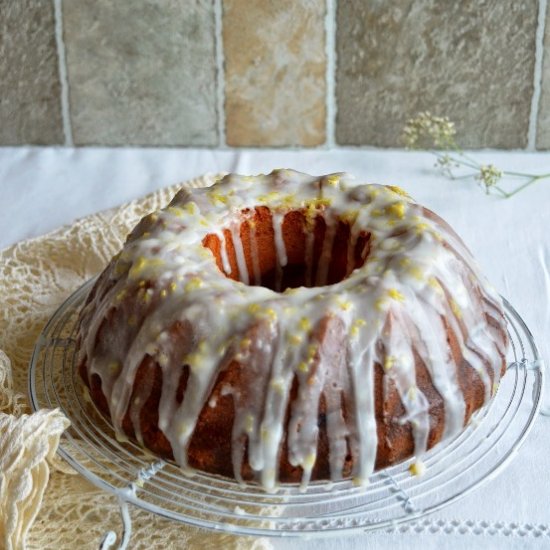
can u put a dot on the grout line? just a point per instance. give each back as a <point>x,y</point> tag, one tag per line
<point>63,79</point>
<point>537,77</point>
<point>220,73</point>
<point>330,39</point>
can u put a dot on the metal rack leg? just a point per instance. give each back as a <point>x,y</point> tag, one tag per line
<point>110,538</point>
<point>544,369</point>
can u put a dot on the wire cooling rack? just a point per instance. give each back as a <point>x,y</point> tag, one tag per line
<point>393,496</point>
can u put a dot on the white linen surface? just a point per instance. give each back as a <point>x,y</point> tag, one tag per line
<point>43,188</point>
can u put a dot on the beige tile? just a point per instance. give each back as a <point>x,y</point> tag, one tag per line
<point>141,72</point>
<point>274,72</point>
<point>30,109</point>
<point>471,60</point>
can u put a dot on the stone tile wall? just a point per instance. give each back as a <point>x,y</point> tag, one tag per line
<point>237,73</point>
<point>275,72</point>
<point>141,73</point>
<point>30,106</point>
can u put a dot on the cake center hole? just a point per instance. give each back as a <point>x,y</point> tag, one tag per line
<point>287,251</point>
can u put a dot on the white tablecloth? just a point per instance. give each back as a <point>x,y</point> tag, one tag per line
<point>41,189</point>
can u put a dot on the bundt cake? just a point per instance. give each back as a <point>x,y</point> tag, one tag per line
<point>287,328</point>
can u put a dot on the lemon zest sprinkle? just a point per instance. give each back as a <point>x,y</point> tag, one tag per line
<point>289,200</point>
<point>345,305</point>
<point>249,423</point>
<point>184,429</point>
<point>349,216</point>
<point>216,196</point>
<point>417,468</point>
<point>303,366</point>
<point>389,362</point>
<point>278,385</point>
<point>396,209</point>
<point>416,272</point>
<point>396,295</point>
<point>114,367</point>
<point>295,339</point>
<point>309,461</point>
<point>455,308</point>
<point>271,313</point>
<point>142,263</point>
<point>356,325</point>
<point>311,351</point>
<point>246,343</point>
<point>191,208</point>
<point>421,228</point>
<point>254,308</point>
<point>193,284</point>
<point>398,191</point>
<point>175,211</point>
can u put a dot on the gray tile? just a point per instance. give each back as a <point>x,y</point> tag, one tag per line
<point>471,60</point>
<point>543,122</point>
<point>30,109</point>
<point>141,72</point>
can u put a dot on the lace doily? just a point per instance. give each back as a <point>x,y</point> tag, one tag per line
<point>35,277</point>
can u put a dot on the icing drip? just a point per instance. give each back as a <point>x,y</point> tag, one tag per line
<point>399,367</point>
<point>255,255</point>
<point>406,283</point>
<point>280,248</point>
<point>239,253</point>
<point>223,252</point>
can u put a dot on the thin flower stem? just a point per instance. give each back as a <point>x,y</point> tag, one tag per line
<point>523,175</point>
<point>464,163</point>
<point>501,191</point>
<point>464,177</point>
<point>469,159</point>
<point>522,187</point>
<point>457,160</point>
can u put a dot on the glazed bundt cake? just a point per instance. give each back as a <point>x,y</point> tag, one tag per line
<point>288,328</point>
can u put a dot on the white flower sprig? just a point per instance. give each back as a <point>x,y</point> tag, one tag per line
<point>437,134</point>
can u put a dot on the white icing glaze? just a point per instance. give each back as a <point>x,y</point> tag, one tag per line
<point>416,274</point>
